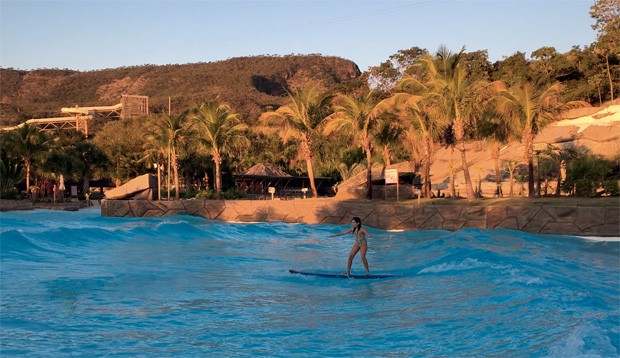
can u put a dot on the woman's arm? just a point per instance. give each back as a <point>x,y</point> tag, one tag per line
<point>341,233</point>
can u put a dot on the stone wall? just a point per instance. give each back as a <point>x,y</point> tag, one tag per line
<point>587,221</point>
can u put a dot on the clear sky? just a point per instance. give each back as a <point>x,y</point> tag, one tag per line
<point>98,34</point>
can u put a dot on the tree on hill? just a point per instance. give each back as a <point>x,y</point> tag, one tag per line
<point>607,16</point>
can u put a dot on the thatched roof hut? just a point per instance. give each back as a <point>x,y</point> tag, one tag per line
<point>256,181</point>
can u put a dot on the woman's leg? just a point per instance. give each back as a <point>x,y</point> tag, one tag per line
<point>352,254</point>
<point>363,254</point>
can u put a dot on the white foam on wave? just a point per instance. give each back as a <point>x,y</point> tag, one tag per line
<point>517,276</point>
<point>467,264</point>
<point>601,238</point>
<point>580,342</point>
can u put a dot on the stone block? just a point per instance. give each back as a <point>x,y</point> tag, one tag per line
<point>474,213</point>
<point>538,222</point>
<point>433,222</point>
<point>194,206</point>
<point>562,214</point>
<point>422,214</point>
<point>612,215</point>
<point>589,216</point>
<point>475,224</point>
<point>565,228</point>
<point>523,214</point>
<point>495,215</point>
<point>508,223</point>
<point>147,194</point>
<point>116,208</point>
<point>408,224</point>
<point>141,207</point>
<point>135,185</point>
<point>452,225</point>
<point>449,212</point>
<point>609,230</point>
<point>386,216</point>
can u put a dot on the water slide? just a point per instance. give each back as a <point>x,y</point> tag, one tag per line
<point>77,120</point>
<point>52,123</point>
<point>91,110</point>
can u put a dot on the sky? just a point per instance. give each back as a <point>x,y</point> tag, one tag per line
<point>97,34</point>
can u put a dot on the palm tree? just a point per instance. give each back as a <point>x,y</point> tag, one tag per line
<point>456,93</point>
<point>90,159</point>
<point>217,127</point>
<point>359,116</point>
<point>166,137</point>
<point>414,103</point>
<point>531,107</point>
<point>389,131</point>
<point>27,143</point>
<point>300,120</point>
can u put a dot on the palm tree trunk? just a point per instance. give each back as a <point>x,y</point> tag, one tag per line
<point>368,174</point>
<point>529,157</point>
<point>308,155</point>
<point>452,188</point>
<point>459,135</point>
<point>218,175</point>
<point>468,186</point>
<point>175,168</point>
<point>387,155</point>
<point>315,193</point>
<point>168,179</point>
<point>27,162</point>
<point>86,184</point>
<point>558,189</point>
<point>498,178</point>
<point>427,167</point>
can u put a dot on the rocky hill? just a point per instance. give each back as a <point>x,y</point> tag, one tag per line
<point>249,84</point>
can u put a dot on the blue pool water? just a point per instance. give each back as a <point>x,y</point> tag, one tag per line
<point>78,284</point>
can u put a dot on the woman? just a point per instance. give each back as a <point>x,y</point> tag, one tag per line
<point>360,244</point>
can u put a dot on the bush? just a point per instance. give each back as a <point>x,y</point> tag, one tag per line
<point>10,173</point>
<point>585,175</point>
<point>229,194</point>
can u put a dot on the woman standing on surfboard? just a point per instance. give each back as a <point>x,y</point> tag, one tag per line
<point>360,244</point>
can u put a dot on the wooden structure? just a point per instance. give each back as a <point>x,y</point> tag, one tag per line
<point>256,181</point>
<point>130,106</point>
<point>134,106</point>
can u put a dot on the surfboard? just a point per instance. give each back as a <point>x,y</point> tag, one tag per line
<point>339,275</point>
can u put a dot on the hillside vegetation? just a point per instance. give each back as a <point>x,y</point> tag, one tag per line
<point>249,84</point>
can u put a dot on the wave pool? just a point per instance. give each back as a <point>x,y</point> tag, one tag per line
<point>78,284</point>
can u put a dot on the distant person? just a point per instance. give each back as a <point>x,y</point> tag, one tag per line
<point>360,244</point>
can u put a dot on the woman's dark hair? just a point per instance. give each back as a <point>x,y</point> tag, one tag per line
<point>358,221</point>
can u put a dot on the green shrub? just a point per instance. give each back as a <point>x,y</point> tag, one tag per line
<point>209,194</point>
<point>587,174</point>
<point>10,173</point>
<point>232,194</point>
